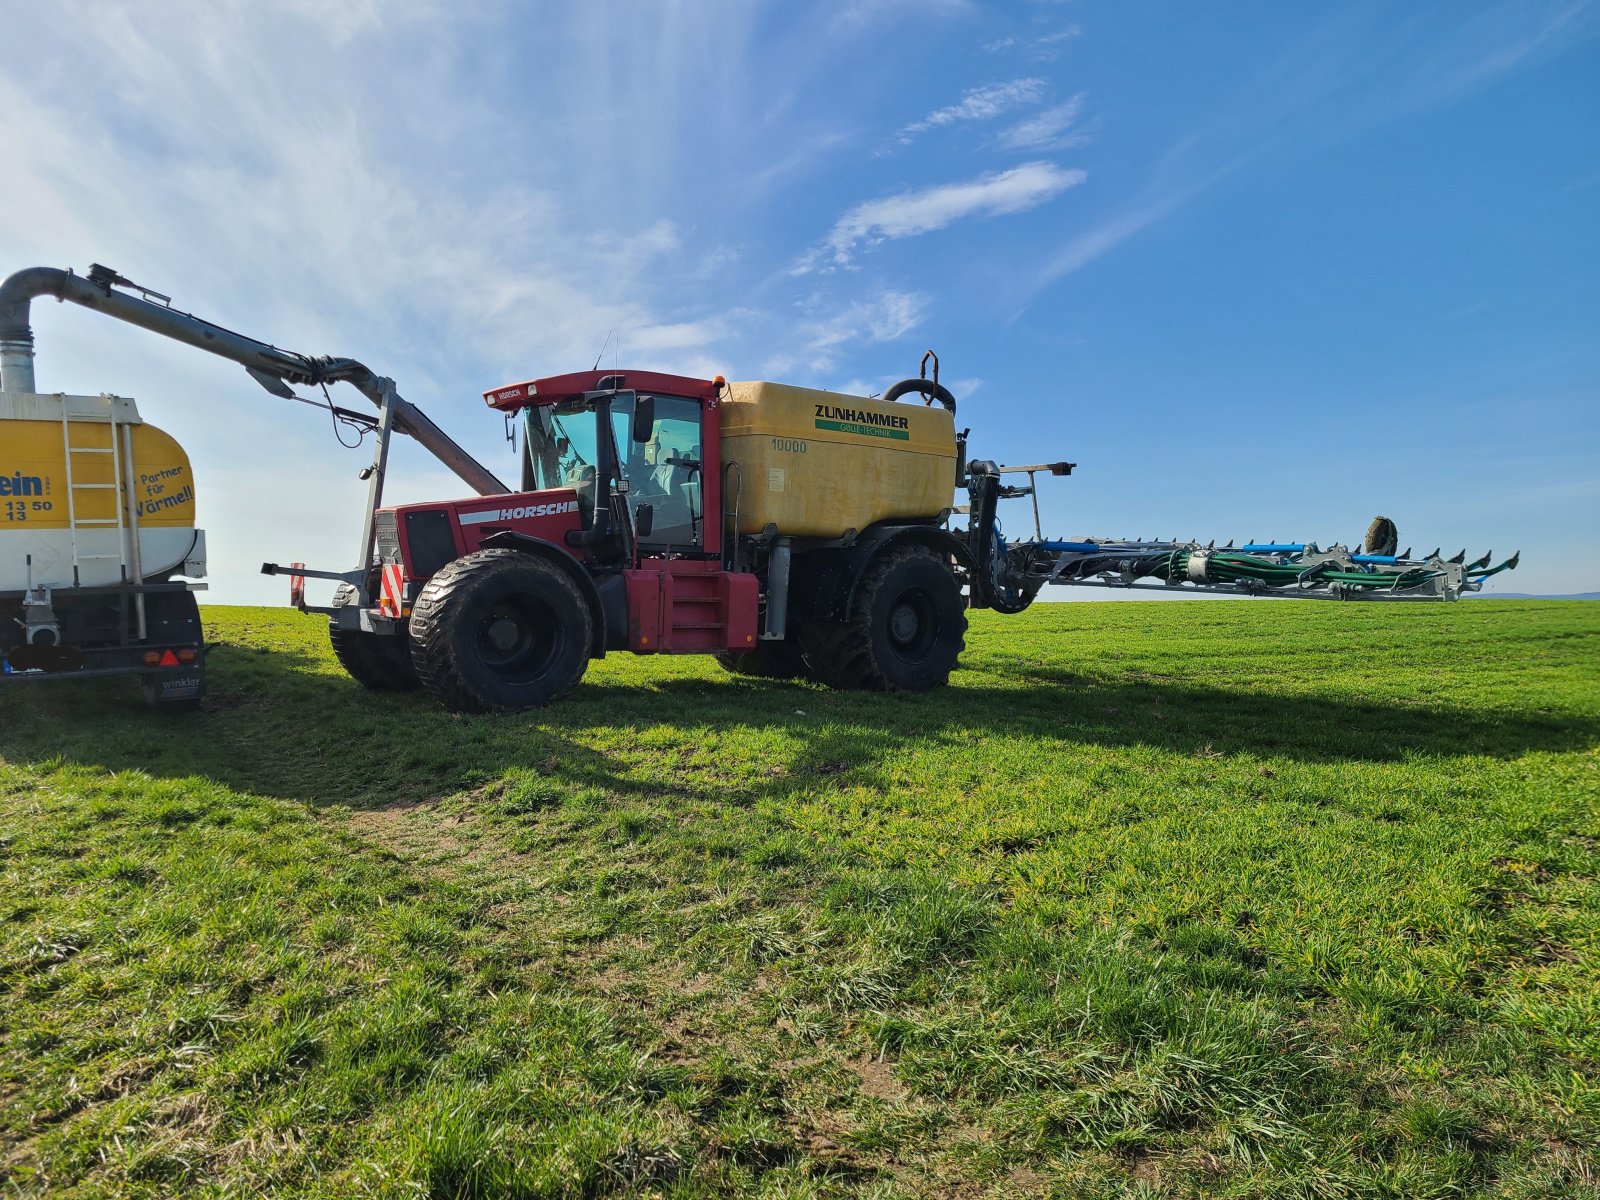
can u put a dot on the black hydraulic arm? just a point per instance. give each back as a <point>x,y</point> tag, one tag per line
<point>269,366</point>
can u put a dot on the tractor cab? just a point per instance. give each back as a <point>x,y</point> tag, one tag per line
<point>632,446</point>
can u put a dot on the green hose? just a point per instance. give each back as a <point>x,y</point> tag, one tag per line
<point>1241,568</point>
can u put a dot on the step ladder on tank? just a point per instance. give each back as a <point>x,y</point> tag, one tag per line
<point>114,412</point>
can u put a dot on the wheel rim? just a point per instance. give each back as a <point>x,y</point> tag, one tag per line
<point>519,638</point>
<point>913,624</point>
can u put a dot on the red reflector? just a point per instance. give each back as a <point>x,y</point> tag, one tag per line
<point>168,659</point>
<point>151,658</point>
<point>186,656</point>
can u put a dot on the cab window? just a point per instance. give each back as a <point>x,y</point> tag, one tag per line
<point>664,472</point>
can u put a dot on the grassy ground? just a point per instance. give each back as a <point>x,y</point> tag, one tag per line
<point>1233,899</point>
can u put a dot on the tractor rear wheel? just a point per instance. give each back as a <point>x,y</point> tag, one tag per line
<point>378,662</point>
<point>903,632</point>
<point>499,630</point>
<point>769,660</point>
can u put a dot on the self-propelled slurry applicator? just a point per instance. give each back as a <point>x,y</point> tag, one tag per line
<point>789,532</point>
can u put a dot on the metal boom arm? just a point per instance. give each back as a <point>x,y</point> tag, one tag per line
<point>269,366</point>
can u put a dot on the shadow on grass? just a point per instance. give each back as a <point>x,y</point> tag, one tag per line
<point>286,723</point>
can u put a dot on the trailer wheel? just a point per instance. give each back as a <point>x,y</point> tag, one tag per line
<point>769,660</point>
<point>499,630</point>
<point>903,632</point>
<point>378,662</point>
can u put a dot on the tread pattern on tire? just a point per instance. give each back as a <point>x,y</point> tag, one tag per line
<point>377,662</point>
<point>844,654</point>
<point>437,655</point>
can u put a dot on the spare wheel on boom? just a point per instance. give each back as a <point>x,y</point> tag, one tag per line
<point>501,629</point>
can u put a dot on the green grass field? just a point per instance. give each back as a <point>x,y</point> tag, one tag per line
<point>1223,899</point>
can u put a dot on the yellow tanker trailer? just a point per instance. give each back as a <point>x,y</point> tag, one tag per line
<point>97,532</point>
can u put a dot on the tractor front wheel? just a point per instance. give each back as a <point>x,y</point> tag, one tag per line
<point>904,631</point>
<point>378,662</point>
<point>499,630</point>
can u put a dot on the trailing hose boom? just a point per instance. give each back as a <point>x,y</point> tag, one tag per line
<point>1012,573</point>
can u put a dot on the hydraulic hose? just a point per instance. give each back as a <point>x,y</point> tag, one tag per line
<point>927,388</point>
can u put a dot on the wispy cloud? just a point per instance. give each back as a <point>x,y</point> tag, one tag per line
<point>879,318</point>
<point>1051,129</point>
<point>907,214</point>
<point>232,153</point>
<point>1107,236</point>
<point>833,327</point>
<point>1043,48</point>
<point>978,104</point>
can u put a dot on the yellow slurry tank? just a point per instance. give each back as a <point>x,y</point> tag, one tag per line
<point>88,492</point>
<point>816,464</point>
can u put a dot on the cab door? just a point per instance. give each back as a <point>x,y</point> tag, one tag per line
<point>665,475</point>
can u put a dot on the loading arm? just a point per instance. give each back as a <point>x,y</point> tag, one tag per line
<point>272,368</point>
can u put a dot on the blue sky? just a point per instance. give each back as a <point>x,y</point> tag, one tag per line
<point>1262,270</point>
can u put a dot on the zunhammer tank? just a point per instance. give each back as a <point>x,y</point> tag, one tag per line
<point>816,463</point>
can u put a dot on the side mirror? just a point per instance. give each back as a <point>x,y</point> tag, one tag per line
<point>644,418</point>
<point>562,446</point>
<point>644,519</point>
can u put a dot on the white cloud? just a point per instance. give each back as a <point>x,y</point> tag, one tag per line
<point>1048,130</point>
<point>1086,247</point>
<point>1043,48</point>
<point>230,154</point>
<point>881,318</point>
<point>978,104</point>
<point>907,214</point>
<point>832,328</point>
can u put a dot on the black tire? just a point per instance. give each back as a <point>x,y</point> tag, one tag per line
<point>173,619</point>
<point>1382,537</point>
<point>904,631</point>
<point>769,660</point>
<point>500,630</point>
<point>378,662</point>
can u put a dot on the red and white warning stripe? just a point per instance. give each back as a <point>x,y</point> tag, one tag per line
<point>297,588</point>
<point>393,600</point>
